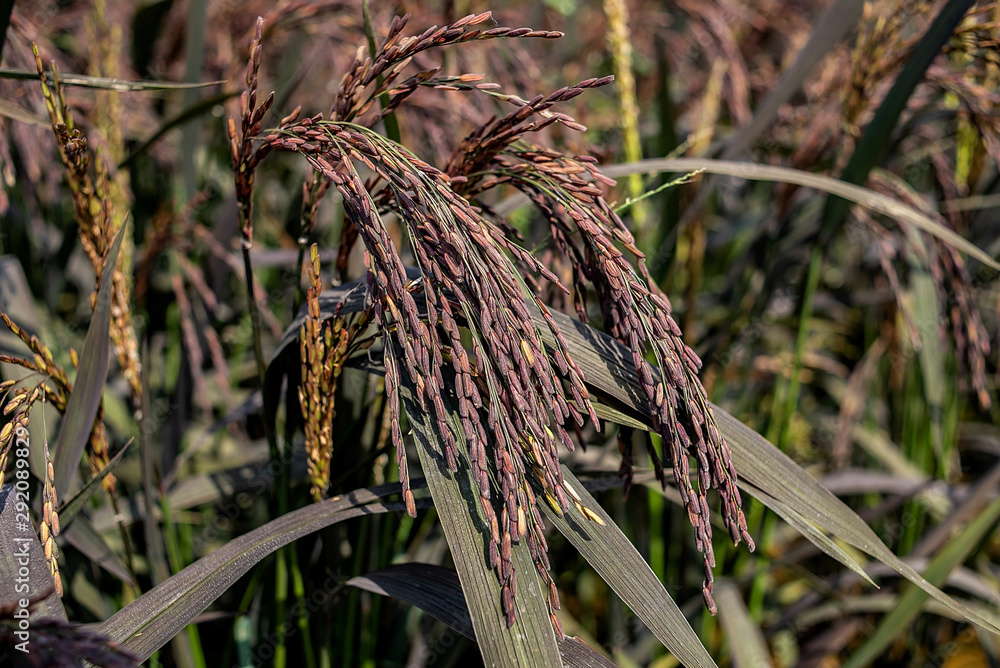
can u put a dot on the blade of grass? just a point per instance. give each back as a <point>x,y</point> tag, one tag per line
<point>807,529</point>
<point>81,408</point>
<point>857,194</point>
<point>830,29</point>
<point>954,553</point>
<point>616,560</point>
<point>84,537</point>
<point>771,470</point>
<point>84,81</point>
<point>153,619</point>
<point>188,113</point>
<point>531,640</point>
<point>835,23</point>
<point>14,112</point>
<point>437,591</point>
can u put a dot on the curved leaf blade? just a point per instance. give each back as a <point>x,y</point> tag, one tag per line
<point>85,81</point>
<point>848,191</point>
<point>81,408</point>
<point>746,643</point>
<point>531,640</point>
<point>774,472</point>
<point>911,601</point>
<point>617,561</point>
<point>73,506</point>
<point>150,621</point>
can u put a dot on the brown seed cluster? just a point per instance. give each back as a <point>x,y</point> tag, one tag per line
<point>515,398</point>
<point>245,158</point>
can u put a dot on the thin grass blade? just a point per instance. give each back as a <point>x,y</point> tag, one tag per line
<point>84,81</point>
<point>71,508</point>
<point>830,28</point>
<point>857,194</point>
<point>89,386</point>
<point>771,470</point>
<point>150,621</point>
<point>808,529</point>
<point>746,643</point>
<point>82,535</point>
<point>618,563</point>
<point>197,109</point>
<point>531,640</point>
<point>16,113</point>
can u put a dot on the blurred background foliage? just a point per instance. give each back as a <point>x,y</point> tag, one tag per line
<point>864,348</point>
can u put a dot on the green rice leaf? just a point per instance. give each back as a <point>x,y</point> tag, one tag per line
<point>531,640</point>
<point>618,563</point>
<point>150,621</point>
<point>81,409</point>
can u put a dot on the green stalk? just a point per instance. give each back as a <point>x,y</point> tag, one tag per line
<point>187,649</point>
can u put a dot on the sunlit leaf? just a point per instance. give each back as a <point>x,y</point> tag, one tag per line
<point>150,621</point>
<point>616,560</point>
<point>531,640</point>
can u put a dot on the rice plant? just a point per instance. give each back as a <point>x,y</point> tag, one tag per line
<point>385,358</point>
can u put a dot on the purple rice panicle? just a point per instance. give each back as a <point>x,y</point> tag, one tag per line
<point>515,399</point>
<point>589,232</point>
